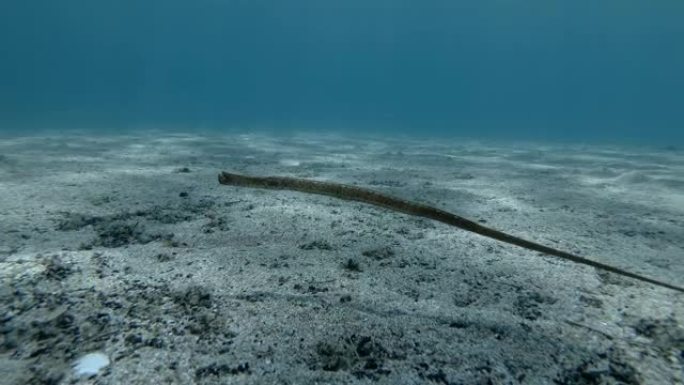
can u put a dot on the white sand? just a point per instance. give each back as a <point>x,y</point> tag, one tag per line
<point>107,244</point>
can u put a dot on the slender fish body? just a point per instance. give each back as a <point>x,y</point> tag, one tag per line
<point>354,193</point>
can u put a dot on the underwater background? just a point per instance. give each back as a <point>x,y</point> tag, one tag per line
<point>553,126</point>
<point>541,70</point>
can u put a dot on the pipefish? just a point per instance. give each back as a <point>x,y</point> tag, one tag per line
<point>359,194</point>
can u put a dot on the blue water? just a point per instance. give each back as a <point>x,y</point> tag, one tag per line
<point>541,69</point>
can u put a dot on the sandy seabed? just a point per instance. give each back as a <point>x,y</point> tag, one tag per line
<point>127,246</point>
